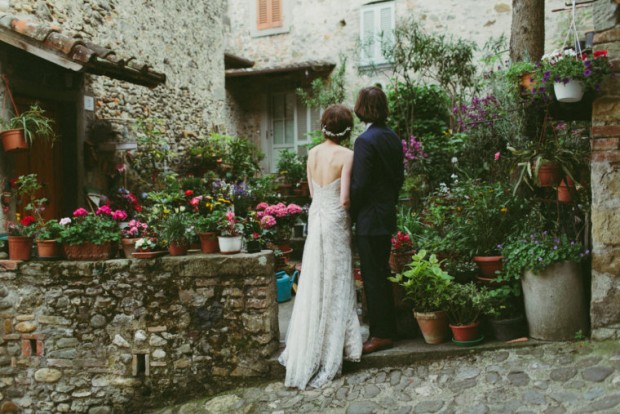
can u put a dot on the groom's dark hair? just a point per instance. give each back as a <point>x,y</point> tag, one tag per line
<point>372,106</point>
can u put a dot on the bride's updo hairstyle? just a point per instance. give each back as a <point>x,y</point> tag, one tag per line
<point>336,123</point>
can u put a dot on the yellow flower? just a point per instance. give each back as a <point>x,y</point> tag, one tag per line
<point>504,209</point>
<point>17,216</point>
<point>222,200</point>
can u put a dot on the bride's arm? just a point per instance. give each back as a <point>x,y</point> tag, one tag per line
<point>309,174</point>
<point>345,180</point>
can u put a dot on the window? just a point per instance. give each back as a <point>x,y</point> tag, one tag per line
<point>270,17</point>
<point>290,121</point>
<point>377,22</point>
<point>268,14</point>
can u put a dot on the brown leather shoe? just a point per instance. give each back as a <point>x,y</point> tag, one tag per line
<point>375,344</point>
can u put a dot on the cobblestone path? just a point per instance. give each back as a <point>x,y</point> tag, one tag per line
<point>576,377</point>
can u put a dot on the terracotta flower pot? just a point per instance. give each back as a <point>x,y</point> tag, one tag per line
<point>526,83</point>
<point>549,174</point>
<point>88,251</point>
<point>177,249</point>
<point>13,140</point>
<point>566,189</point>
<point>208,242</point>
<point>129,246</point>
<point>434,326</point>
<point>488,265</point>
<point>48,249</point>
<point>20,247</point>
<point>465,333</point>
<point>398,261</point>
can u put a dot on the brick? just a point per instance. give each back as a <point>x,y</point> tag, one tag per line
<point>606,156</point>
<point>605,131</point>
<point>605,144</point>
<point>33,336</point>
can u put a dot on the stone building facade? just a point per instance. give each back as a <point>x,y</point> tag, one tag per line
<point>605,304</point>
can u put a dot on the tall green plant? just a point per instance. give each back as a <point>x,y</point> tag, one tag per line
<point>325,92</point>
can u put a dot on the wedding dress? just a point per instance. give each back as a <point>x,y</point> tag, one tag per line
<point>324,324</point>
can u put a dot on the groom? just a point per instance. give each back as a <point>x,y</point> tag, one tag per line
<point>376,179</point>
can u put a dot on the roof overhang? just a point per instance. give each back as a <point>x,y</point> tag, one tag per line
<point>73,53</point>
<point>232,61</point>
<point>309,69</point>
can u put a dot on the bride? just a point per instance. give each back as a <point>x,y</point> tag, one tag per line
<point>324,323</point>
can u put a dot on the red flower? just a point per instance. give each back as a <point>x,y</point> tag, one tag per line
<point>600,53</point>
<point>189,193</point>
<point>27,221</point>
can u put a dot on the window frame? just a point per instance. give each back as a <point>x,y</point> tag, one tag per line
<point>285,16</point>
<point>377,33</point>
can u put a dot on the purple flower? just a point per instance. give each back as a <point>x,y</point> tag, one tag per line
<point>587,72</point>
<point>587,251</point>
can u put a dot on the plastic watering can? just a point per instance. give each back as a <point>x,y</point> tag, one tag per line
<point>284,283</point>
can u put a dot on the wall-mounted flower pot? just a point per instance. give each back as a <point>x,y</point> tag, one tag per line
<point>13,140</point>
<point>566,189</point>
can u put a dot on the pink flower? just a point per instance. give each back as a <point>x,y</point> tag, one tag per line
<point>293,209</point>
<point>268,222</point>
<point>262,206</point>
<point>195,201</point>
<point>497,154</point>
<point>106,210</point>
<point>230,216</point>
<point>255,235</point>
<point>80,212</point>
<point>119,215</point>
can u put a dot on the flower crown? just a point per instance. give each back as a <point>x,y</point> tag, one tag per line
<point>334,134</point>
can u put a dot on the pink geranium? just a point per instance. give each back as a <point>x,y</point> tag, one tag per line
<point>268,222</point>
<point>119,215</point>
<point>104,210</point>
<point>80,212</point>
<point>261,206</point>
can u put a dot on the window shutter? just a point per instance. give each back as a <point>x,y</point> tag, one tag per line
<point>368,36</point>
<point>262,14</point>
<point>276,13</point>
<point>386,31</point>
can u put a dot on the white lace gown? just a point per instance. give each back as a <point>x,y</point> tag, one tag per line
<point>324,326</point>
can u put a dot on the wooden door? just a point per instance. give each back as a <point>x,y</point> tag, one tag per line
<point>45,160</point>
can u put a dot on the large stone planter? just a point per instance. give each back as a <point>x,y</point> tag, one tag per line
<point>554,302</point>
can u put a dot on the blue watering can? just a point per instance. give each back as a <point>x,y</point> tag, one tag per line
<point>284,283</point>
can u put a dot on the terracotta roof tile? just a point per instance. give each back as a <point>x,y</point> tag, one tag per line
<point>93,58</point>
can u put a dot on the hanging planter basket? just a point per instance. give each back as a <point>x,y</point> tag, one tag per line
<point>13,140</point>
<point>571,91</point>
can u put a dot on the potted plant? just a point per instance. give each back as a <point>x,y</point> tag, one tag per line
<point>548,267</point>
<point>47,236</point>
<point>505,312</point>
<point>401,251</point>
<point>466,304</point>
<point>91,236</point>
<point>21,233</point>
<point>147,248</point>
<point>177,232</point>
<point>520,74</point>
<point>230,233</point>
<point>427,285</point>
<point>572,74</point>
<point>277,223</point>
<point>21,130</point>
<point>134,230</point>
<point>291,169</point>
<point>253,233</point>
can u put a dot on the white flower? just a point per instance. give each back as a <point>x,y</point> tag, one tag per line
<point>64,221</point>
<point>454,160</point>
<point>454,176</point>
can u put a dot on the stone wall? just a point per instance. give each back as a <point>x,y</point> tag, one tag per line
<point>181,38</point>
<point>121,335</point>
<point>605,306</point>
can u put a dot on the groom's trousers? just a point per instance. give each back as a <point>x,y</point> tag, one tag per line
<point>374,253</point>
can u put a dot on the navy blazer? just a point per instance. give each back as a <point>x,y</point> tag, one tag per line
<point>376,179</point>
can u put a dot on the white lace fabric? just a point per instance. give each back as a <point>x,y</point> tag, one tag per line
<point>324,326</point>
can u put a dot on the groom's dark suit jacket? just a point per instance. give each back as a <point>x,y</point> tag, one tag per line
<point>376,179</point>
